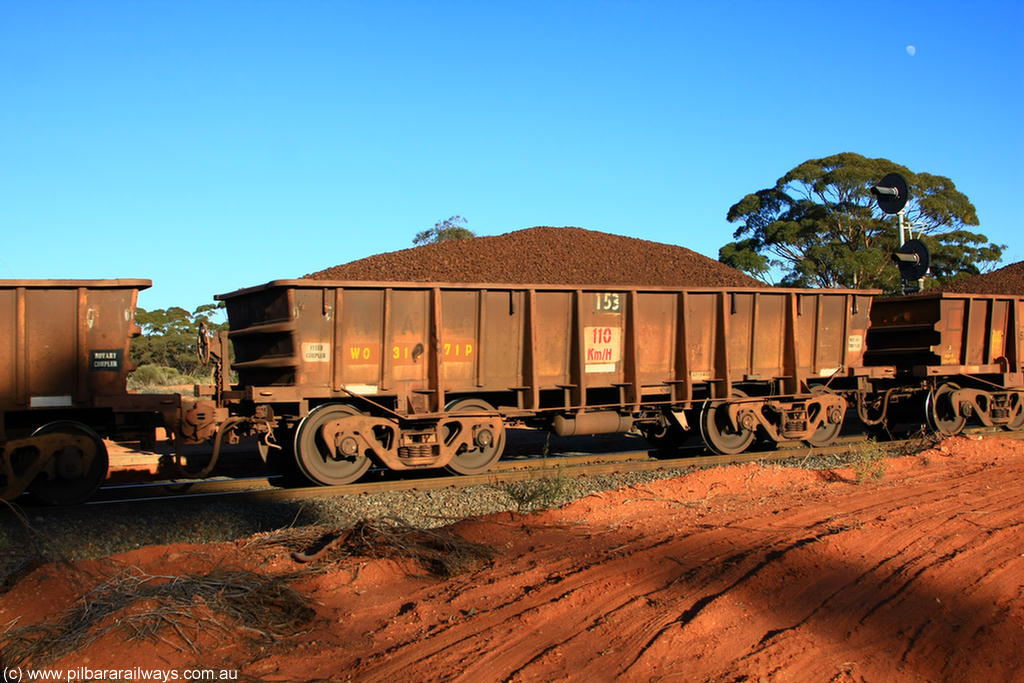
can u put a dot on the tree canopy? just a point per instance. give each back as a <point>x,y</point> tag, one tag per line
<point>451,228</point>
<point>169,336</point>
<point>820,226</point>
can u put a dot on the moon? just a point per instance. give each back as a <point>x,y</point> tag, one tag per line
<point>911,50</point>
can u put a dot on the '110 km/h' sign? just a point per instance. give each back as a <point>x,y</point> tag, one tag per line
<point>603,348</point>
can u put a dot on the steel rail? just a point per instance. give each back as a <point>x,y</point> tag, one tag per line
<point>507,471</point>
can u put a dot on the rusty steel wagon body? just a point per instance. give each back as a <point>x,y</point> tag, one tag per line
<point>336,375</point>
<point>962,355</point>
<point>421,375</point>
<point>64,359</point>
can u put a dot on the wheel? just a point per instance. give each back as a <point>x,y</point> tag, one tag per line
<point>719,435</point>
<point>73,482</point>
<point>1016,422</point>
<point>828,430</point>
<point>940,412</point>
<point>488,445</point>
<point>325,463</point>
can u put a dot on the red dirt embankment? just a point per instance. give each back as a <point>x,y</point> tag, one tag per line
<point>735,574</point>
<point>544,255</point>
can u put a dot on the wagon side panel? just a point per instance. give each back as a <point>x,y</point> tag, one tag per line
<point>65,342</point>
<point>106,325</point>
<point>656,337</point>
<point>362,354</point>
<point>768,335</point>
<point>743,346</point>
<point>831,330</point>
<point>500,364</point>
<point>8,348</point>
<point>554,317</point>
<point>603,343</point>
<point>701,322</point>
<point>979,333</point>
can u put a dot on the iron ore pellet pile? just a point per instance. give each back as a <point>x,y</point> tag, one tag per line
<point>545,256</point>
<point>1007,280</point>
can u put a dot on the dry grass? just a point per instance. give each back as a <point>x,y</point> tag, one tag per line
<point>438,551</point>
<point>30,554</point>
<point>916,443</point>
<point>531,495</point>
<point>177,609</point>
<point>172,609</point>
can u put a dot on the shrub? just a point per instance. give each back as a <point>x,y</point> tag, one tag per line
<point>150,377</point>
<point>869,461</point>
<point>531,495</point>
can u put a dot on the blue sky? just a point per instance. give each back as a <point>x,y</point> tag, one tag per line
<point>210,146</point>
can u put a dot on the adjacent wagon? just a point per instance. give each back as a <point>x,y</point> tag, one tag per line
<point>64,360</point>
<point>963,353</point>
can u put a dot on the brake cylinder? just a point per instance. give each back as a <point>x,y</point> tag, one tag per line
<point>602,422</point>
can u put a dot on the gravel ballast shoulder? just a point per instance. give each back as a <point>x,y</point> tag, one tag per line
<point>96,531</point>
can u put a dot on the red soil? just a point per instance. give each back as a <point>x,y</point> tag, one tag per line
<point>736,574</point>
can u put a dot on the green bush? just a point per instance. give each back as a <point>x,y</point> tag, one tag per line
<point>869,461</point>
<point>536,494</point>
<point>169,336</point>
<point>153,378</point>
<point>149,374</point>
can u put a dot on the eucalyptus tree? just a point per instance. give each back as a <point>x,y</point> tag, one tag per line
<point>452,228</point>
<point>819,226</point>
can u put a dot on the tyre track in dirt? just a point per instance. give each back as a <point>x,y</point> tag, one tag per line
<point>901,582</point>
<point>555,586</point>
<point>870,573</point>
<point>732,574</point>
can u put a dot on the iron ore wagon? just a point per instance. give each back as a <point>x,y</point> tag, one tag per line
<point>956,358</point>
<point>417,375</point>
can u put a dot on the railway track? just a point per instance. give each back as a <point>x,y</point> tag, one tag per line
<point>512,469</point>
